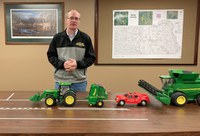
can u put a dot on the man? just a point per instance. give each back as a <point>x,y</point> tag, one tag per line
<point>71,53</point>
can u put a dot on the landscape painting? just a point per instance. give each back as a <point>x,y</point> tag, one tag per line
<point>32,23</point>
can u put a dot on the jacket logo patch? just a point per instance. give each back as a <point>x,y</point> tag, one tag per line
<point>80,44</point>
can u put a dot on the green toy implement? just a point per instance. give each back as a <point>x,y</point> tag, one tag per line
<point>178,88</point>
<point>64,95</point>
<point>96,95</point>
<point>67,96</point>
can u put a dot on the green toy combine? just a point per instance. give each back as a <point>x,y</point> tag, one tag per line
<point>178,88</point>
<point>64,95</point>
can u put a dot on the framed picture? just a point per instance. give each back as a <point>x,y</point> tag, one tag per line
<point>148,32</point>
<point>32,23</point>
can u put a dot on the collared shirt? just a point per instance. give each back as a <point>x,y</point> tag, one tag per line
<point>71,37</point>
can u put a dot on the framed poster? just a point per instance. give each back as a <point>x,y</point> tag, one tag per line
<point>147,32</point>
<point>32,23</point>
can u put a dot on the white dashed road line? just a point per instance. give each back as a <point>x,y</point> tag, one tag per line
<point>25,108</point>
<point>67,108</point>
<point>25,100</point>
<point>16,100</point>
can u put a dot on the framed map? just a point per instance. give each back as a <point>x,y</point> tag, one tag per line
<point>147,32</point>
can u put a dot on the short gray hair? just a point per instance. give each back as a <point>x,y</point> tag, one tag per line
<point>66,15</point>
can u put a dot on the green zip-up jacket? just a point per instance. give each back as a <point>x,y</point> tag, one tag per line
<point>80,49</point>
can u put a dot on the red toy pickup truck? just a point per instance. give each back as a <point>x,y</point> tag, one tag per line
<point>132,98</point>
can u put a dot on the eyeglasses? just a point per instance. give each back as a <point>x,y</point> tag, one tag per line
<point>73,18</point>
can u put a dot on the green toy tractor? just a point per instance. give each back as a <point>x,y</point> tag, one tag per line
<point>178,88</point>
<point>96,95</point>
<point>64,95</point>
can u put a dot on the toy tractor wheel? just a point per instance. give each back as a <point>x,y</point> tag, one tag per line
<point>69,99</point>
<point>50,101</point>
<point>143,103</point>
<point>121,103</point>
<point>198,100</point>
<point>178,99</point>
<point>100,103</point>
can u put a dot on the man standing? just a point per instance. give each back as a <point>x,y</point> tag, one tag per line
<point>71,53</point>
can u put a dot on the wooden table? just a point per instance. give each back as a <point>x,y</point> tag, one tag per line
<point>20,116</point>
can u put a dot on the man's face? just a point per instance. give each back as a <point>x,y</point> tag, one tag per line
<point>72,20</point>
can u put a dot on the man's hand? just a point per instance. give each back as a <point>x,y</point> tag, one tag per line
<point>70,65</point>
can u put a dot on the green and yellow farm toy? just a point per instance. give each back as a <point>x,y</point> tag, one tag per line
<point>64,95</point>
<point>96,95</point>
<point>178,88</point>
<point>67,96</point>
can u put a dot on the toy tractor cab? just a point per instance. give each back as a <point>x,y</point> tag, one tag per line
<point>96,95</point>
<point>64,95</point>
